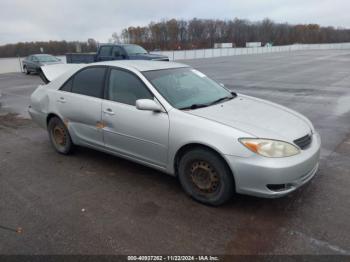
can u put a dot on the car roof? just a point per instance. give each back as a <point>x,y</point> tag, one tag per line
<point>41,55</point>
<point>142,65</point>
<point>52,72</point>
<point>116,44</point>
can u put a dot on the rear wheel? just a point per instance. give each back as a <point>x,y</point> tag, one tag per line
<point>59,136</point>
<point>206,177</point>
<point>25,70</point>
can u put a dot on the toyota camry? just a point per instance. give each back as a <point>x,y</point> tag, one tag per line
<point>174,118</point>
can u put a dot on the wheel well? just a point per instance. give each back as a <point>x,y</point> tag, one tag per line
<point>51,115</point>
<point>192,146</point>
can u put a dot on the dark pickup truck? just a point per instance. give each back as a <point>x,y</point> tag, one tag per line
<point>108,52</point>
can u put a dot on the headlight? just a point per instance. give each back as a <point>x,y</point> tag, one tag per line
<point>270,148</point>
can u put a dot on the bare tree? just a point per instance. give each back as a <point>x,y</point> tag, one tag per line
<point>195,33</point>
<point>203,33</point>
<point>115,38</point>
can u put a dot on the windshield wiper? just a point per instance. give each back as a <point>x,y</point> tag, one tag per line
<point>193,106</point>
<point>222,99</point>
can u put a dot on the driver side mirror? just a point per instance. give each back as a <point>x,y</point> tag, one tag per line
<point>148,105</point>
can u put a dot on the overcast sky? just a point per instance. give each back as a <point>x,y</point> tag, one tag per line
<point>42,20</point>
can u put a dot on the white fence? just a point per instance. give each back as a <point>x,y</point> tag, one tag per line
<point>8,65</point>
<point>208,53</point>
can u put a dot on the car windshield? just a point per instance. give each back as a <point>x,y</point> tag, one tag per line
<point>47,58</point>
<point>134,49</point>
<point>187,88</point>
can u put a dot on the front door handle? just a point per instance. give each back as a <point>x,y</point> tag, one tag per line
<point>61,100</point>
<point>108,111</point>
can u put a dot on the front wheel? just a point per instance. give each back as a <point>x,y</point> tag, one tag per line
<point>206,177</point>
<point>59,136</point>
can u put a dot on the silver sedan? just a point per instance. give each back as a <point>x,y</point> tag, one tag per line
<point>174,118</point>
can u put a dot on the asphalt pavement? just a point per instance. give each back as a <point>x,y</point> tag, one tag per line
<point>94,203</point>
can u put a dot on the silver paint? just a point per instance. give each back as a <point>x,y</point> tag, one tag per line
<point>154,138</point>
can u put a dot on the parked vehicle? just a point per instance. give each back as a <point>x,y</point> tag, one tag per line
<point>174,118</point>
<point>109,52</point>
<point>32,63</point>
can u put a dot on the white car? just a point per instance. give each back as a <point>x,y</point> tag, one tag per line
<point>174,118</point>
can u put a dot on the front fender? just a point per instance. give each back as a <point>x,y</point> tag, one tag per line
<point>188,129</point>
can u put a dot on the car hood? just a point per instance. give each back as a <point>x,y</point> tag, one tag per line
<point>149,57</point>
<point>258,118</point>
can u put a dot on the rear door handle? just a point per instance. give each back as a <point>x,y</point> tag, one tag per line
<point>61,100</point>
<point>108,111</point>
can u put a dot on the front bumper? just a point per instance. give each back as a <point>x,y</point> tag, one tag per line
<point>255,175</point>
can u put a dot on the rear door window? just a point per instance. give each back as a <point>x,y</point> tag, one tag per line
<point>90,82</point>
<point>67,86</point>
<point>117,52</point>
<point>106,51</point>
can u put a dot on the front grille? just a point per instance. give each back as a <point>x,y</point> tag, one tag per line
<point>304,141</point>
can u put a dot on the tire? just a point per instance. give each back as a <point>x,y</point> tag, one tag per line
<point>59,136</point>
<point>25,70</point>
<point>205,177</point>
